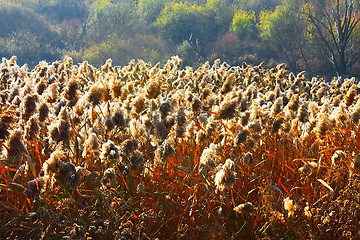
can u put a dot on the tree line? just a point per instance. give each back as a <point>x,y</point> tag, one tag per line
<point>321,37</point>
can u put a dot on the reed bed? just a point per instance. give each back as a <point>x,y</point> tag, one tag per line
<point>146,152</point>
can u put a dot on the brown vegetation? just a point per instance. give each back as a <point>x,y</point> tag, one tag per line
<point>144,152</point>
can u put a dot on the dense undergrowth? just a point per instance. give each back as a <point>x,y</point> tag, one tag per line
<point>144,152</point>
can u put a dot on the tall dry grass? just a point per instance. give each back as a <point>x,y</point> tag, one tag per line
<point>145,152</point>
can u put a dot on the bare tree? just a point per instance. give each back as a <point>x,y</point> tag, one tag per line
<point>333,25</point>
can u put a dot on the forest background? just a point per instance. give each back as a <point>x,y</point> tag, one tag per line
<point>321,37</point>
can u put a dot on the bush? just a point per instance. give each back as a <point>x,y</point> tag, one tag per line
<point>30,48</point>
<point>147,47</point>
<point>27,35</point>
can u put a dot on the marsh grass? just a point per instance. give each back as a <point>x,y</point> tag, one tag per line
<point>144,152</point>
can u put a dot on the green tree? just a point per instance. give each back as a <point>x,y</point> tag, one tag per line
<point>146,47</point>
<point>198,25</point>
<point>27,35</point>
<point>149,10</point>
<point>243,22</point>
<point>333,26</point>
<point>283,31</point>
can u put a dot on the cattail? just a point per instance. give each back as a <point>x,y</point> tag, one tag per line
<point>115,86</point>
<point>294,126</point>
<point>5,121</point>
<point>15,147</point>
<point>225,178</point>
<point>196,105</point>
<point>34,187</point>
<point>68,174</point>
<point>201,137</point>
<point>207,159</point>
<point>138,104</point>
<point>355,115</point>
<point>189,97</point>
<point>291,77</point>
<point>3,131</point>
<point>4,96</point>
<point>78,109</point>
<point>357,161</point>
<point>109,124</point>
<point>248,158</point>
<point>118,118</point>
<point>271,96</point>
<point>227,109</point>
<point>107,66</point>
<point>41,86</point>
<point>96,94</point>
<point>109,151</point>
<point>339,114</point>
<point>55,162</point>
<point>294,102</point>
<point>350,95</point>
<point>92,142</point>
<point>165,109</point>
<point>52,93</point>
<point>203,118</point>
<point>12,61</point>
<point>71,90</point>
<point>249,94</point>
<point>303,114</point>
<point>153,88</point>
<point>43,110</point>
<point>322,125</point>
<point>14,92</point>
<point>277,125</point>
<point>227,86</point>
<point>83,67</point>
<point>68,62</point>
<point>285,100</point>
<point>241,137</point>
<point>290,207</point>
<point>161,130</point>
<point>250,143</point>
<point>64,115</point>
<point>129,146</point>
<point>109,177</point>
<point>245,208</point>
<point>314,108</point>
<point>59,106</point>
<point>321,92</point>
<point>28,106</point>
<point>243,105</point>
<point>277,107</point>
<point>137,129</point>
<point>301,74</point>
<point>206,92</point>
<point>162,152</point>
<point>255,126</point>
<point>136,161</point>
<point>211,128</point>
<point>180,118</point>
<point>60,131</point>
<point>338,156</point>
<point>308,168</point>
<point>336,100</point>
<point>32,127</point>
<point>16,101</point>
